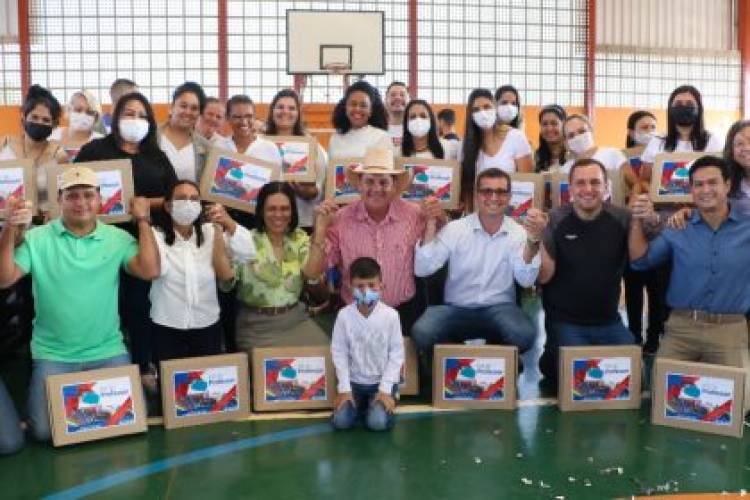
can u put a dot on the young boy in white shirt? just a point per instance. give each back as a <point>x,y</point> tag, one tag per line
<point>368,351</point>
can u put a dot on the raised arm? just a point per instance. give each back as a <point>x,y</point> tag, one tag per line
<point>145,264</point>
<point>17,216</point>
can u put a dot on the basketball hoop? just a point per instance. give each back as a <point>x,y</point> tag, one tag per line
<point>337,68</point>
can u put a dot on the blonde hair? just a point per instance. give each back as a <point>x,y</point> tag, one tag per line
<point>90,99</point>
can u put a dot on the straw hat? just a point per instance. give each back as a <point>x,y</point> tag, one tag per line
<point>77,176</point>
<point>379,161</point>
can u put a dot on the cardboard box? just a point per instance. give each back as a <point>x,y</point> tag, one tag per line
<point>17,179</point>
<point>298,156</point>
<point>436,178</point>
<point>409,385</point>
<point>599,378</point>
<point>95,404</point>
<point>698,396</point>
<point>478,377</point>
<point>293,378</point>
<point>338,187</point>
<point>670,177</point>
<point>203,390</point>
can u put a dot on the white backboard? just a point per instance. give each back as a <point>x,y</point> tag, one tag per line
<point>318,37</point>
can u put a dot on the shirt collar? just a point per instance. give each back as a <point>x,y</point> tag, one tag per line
<point>60,229</point>
<point>476,225</point>
<point>390,216</point>
<point>734,215</point>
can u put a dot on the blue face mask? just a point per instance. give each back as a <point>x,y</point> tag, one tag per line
<point>368,298</point>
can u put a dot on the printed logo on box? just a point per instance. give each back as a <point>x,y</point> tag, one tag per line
<point>110,187</point>
<point>601,379</point>
<point>98,405</point>
<point>429,181</point>
<point>474,379</point>
<point>521,199</point>
<point>11,184</point>
<point>295,379</point>
<point>341,184</point>
<point>293,157</point>
<point>239,180</point>
<point>200,392</point>
<point>699,399</point>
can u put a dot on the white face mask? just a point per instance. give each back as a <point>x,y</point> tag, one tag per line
<point>581,143</point>
<point>185,212</point>
<point>133,129</point>
<point>485,118</point>
<point>80,122</point>
<point>643,138</point>
<point>418,127</point>
<point>507,112</point>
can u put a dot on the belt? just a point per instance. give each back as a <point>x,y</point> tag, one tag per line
<point>707,317</point>
<point>271,311</point>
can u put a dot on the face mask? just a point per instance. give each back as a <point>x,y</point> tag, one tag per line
<point>419,127</point>
<point>185,212</point>
<point>581,143</point>
<point>485,118</point>
<point>643,138</point>
<point>80,122</point>
<point>507,112</point>
<point>36,131</point>
<point>367,298</point>
<point>683,115</point>
<point>133,129</point>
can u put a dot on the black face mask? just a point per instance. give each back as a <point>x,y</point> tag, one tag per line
<point>36,131</point>
<point>684,115</point>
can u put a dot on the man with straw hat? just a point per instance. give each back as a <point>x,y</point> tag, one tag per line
<point>383,226</point>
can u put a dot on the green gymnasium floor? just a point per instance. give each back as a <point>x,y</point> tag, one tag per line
<point>533,452</point>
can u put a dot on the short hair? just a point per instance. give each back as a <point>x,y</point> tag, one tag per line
<point>447,115</point>
<point>121,86</point>
<point>212,100</point>
<point>493,173</point>
<point>39,95</point>
<point>238,99</point>
<point>269,189</point>
<point>585,162</point>
<point>710,161</point>
<point>191,88</point>
<point>364,268</point>
<point>396,83</point>
<point>577,116</point>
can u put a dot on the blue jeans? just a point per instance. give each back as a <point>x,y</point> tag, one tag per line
<point>11,436</point>
<point>365,407</point>
<point>43,368</point>
<point>560,333</point>
<point>498,324</point>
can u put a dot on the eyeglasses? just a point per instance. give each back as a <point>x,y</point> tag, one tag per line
<point>489,192</point>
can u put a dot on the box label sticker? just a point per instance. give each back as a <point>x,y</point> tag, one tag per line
<point>474,379</point>
<point>207,391</point>
<point>601,379</point>
<point>98,404</point>
<point>699,399</point>
<point>295,379</point>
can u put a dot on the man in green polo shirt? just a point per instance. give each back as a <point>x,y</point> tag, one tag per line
<point>74,262</point>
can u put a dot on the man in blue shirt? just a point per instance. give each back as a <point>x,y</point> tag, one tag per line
<point>709,290</point>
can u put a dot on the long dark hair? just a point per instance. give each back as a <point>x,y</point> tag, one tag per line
<point>737,173</point>
<point>39,95</point>
<point>698,133</point>
<point>472,139</point>
<point>148,144</point>
<point>267,190</point>
<point>632,120</point>
<point>516,123</point>
<point>167,225</point>
<point>271,128</point>
<point>544,153</point>
<point>191,88</point>
<point>433,141</point>
<point>377,117</point>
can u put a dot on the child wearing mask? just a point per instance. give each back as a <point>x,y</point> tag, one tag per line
<point>194,253</point>
<point>368,351</point>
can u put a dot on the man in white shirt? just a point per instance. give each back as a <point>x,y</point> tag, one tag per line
<point>396,99</point>
<point>487,253</point>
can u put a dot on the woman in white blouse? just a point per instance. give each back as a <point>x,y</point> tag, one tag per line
<point>420,138</point>
<point>285,118</point>
<point>186,149</point>
<point>489,143</point>
<point>579,139</point>
<point>194,254</point>
<point>83,114</point>
<point>360,122</point>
